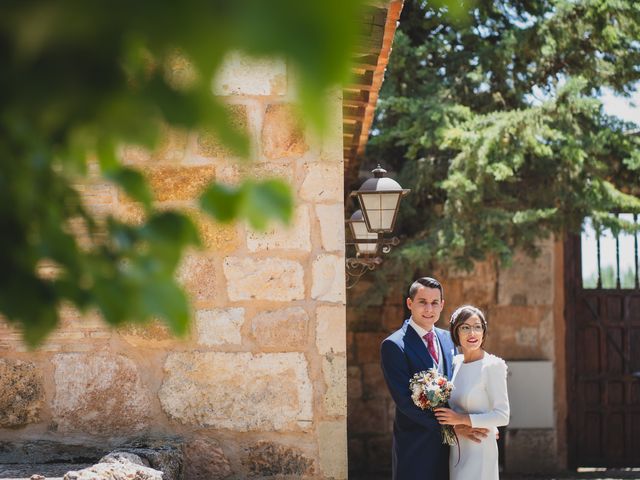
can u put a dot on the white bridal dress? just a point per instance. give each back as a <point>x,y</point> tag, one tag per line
<point>480,389</point>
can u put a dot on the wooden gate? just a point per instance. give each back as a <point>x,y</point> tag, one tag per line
<point>603,356</point>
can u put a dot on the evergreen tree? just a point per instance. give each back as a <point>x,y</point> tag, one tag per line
<point>495,125</point>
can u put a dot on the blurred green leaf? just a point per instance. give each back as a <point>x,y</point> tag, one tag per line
<point>163,297</point>
<point>222,202</point>
<point>133,183</point>
<point>268,200</point>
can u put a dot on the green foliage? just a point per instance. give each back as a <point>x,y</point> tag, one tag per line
<point>80,79</point>
<point>496,127</point>
<point>258,202</point>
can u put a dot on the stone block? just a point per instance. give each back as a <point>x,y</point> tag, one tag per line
<point>99,198</point>
<point>332,141</point>
<point>179,71</point>
<point>100,394</point>
<point>531,451</point>
<point>331,329</point>
<point>197,274</point>
<point>117,466</point>
<point>323,183</point>
<point>154,334</point>
<point>334,370</point>
<point>528,281</point>
<point>374,383</point>
<point>204,459</point>
<point>332,443</point>
<point>217,237</point>
<point>354,382</point>
<point>266,459</point>
<point>238,391</point>
<point>328,279</point>
<point>367,416</point>
<point>208,143</point>
<point>368,346</point>
<point>282,133</point>
<point>351,349</point>
<point>170,183</point>
<point>378,448</point>
<point>284,329</point>
<point>243,75</point>
<point>520,332</point>
<point>171,148</point>
<point>167,457</point>
<point>357,458</point>
<point>272,279</point>
<point>296,236</point>
<point>219,326</point>
<point>331,218</point>
<point>21,393</point>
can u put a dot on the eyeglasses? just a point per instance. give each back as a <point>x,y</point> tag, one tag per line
<point>467,329</point>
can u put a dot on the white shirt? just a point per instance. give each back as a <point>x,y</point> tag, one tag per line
<point>421,333</point>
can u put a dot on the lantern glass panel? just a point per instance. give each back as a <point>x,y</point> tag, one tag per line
<point>360,232</point>
<point>389,201</point>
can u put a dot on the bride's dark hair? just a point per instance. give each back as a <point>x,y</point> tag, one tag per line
<point>461,315</point>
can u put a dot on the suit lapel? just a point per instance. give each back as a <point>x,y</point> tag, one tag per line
<point>414,343</point>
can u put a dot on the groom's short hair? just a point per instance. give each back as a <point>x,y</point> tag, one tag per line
<point>427,282</point>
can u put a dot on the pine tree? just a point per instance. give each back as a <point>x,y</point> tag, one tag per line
<point>495,125</point>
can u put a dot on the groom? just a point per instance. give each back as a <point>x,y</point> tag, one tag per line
<point>418,452</point>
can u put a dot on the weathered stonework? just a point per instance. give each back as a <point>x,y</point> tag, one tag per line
<point>294,237</point>
<point>21,393</point>
<point>528,281</point>
<point>204,459</point>
<point>219,326</point>
<point>99,198</point>
<point>271,279</point>
<point>531,450</point>
<point>243,75</point>
<point>197,274</point>
<point>282,133</point>
<point>328,279</point>
<point>98,394</point>
<point>334,369</point>
<point>238,391</point>
<point>322,183</point>
<point>208,143</point>
<point>221,238</point>
<point>179,183</point>
<point>171,149</point>
<point>154,334</point>
<point>331,226</point>
<point>331,331</point>
<point>264,359</point>
<point>265,459</point>
<point>332,440</point>
<point>283,329</point>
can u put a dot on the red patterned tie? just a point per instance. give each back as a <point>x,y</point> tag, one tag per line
<point>431,346</point>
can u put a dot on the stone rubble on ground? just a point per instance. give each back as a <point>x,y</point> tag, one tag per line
<point>117,466</point>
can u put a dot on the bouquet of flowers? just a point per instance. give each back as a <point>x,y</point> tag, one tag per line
<point>430,390</point>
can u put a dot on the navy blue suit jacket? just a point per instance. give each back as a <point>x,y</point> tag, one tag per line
<point>418,452</point>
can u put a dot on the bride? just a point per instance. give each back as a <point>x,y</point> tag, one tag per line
<point>479,398</point>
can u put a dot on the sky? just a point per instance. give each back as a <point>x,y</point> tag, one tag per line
<point>627,109</point>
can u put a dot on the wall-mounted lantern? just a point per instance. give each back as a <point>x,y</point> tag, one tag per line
<point>379,199</point>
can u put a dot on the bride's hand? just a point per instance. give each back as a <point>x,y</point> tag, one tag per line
<point>446,416</point>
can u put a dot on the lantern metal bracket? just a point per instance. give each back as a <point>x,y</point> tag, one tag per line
<point>357,266</point>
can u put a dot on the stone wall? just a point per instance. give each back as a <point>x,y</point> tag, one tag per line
<point>524,308</point>
<point>258,388</point>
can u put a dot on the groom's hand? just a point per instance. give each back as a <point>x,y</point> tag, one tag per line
<point>473,434</point>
